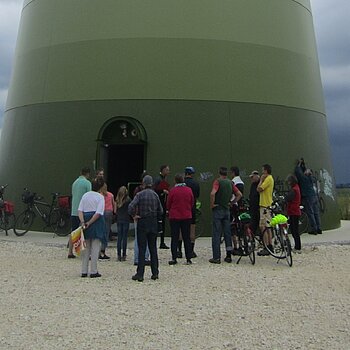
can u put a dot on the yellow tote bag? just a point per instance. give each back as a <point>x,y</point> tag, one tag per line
<point>78,240</point>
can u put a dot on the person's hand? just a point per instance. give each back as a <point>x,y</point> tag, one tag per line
<point>166,192</point>
<point>263,177</point>
<point>212,206</point>
<point>136,217</point>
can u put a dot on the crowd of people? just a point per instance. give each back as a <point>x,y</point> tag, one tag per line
<point>154,201</point>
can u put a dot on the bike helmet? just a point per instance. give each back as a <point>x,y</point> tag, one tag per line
<point>245,217</point>
<point>189,170</point>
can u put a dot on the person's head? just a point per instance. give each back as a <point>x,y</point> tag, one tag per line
<point>223,171</point>
<point>144,173</point>
<point>291,180</point>
<point>165,170</point>
<point>122,192</point>
<point>189,171</point>
<point>100,173</point>
<point>235,171</point>
<point>104,189</point>
<point>85,172</point>
<point>266,169</point>
<point>179,178</point>
<point>97,184</point>
<point>147,181</point>
<point>254,176</point>
<point>308,172</point>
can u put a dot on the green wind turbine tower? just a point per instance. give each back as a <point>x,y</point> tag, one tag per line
<point>130,85</point>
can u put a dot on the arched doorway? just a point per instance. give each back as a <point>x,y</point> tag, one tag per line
<point>121,151</point>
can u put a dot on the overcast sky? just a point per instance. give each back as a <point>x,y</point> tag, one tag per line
<point>331,19</point>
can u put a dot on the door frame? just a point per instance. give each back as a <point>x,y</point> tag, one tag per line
<point>103,143</point>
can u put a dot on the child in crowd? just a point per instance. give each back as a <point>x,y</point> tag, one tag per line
<point>123,221</point>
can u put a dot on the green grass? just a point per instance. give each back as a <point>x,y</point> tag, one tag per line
<point>343,198</point>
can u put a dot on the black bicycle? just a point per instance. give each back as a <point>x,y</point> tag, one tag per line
<point>245,237</point>
<point>7,216</point>
<point>54,216</point>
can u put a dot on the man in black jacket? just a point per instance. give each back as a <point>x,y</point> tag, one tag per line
<point>254,200</point>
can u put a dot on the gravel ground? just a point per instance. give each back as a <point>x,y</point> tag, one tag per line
<point>46,305</point>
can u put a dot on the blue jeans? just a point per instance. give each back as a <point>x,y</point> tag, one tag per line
<point>313,212</point>
<point>221,223</point>
<point>136,251</point>
<point>123,229</point>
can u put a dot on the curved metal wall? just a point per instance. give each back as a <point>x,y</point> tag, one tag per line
<point>242,50</point>
<point>212,82</point>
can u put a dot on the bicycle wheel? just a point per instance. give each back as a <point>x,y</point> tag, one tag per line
<point>288,250</point>
<point>249,242</point>
<point>9,222</point>
<point>303,223</point>
<point>23,223</point>
<point>276,249</point>
<point>61,223</point>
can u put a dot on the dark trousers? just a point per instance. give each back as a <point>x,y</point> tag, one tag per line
<point>147,234</point>
<point>254,219</point>
<point>294,229</point>
<point>183,226</point>
<point>75,222</point>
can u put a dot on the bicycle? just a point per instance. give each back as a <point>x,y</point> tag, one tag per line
<point>245,237</point>
<point>279,203</point>
<point>281,246</point>
<point>52,216</point>
<point>7,216</point>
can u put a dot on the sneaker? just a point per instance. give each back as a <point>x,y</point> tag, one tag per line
<point>137,278</point>
<point>296,251</point>
<point>120,258</point>
<point>263,252</point>
<point>319,232</point>
<point>95,275</point>
<point>123,258</point>
<point>71,256</point>
<point>215,261</point>
<point>228,259</point>
<point>312,233</point>
<point>103,257</point>
<point>154,277</point>
<point>163,246</point>
<point>179,254</point>
<point>194,255</point>
<point>188,262</point>
<point>237,251</point>
<point>172,262</point>
<point>84,275</point>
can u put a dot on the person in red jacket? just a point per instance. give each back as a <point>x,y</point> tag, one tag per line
<point>179,204</point>
<point>293,199</point>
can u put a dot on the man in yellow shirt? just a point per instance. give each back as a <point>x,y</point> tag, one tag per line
<point>265,188</point>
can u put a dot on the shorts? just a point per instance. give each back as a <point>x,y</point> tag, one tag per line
<point>265,217</point>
